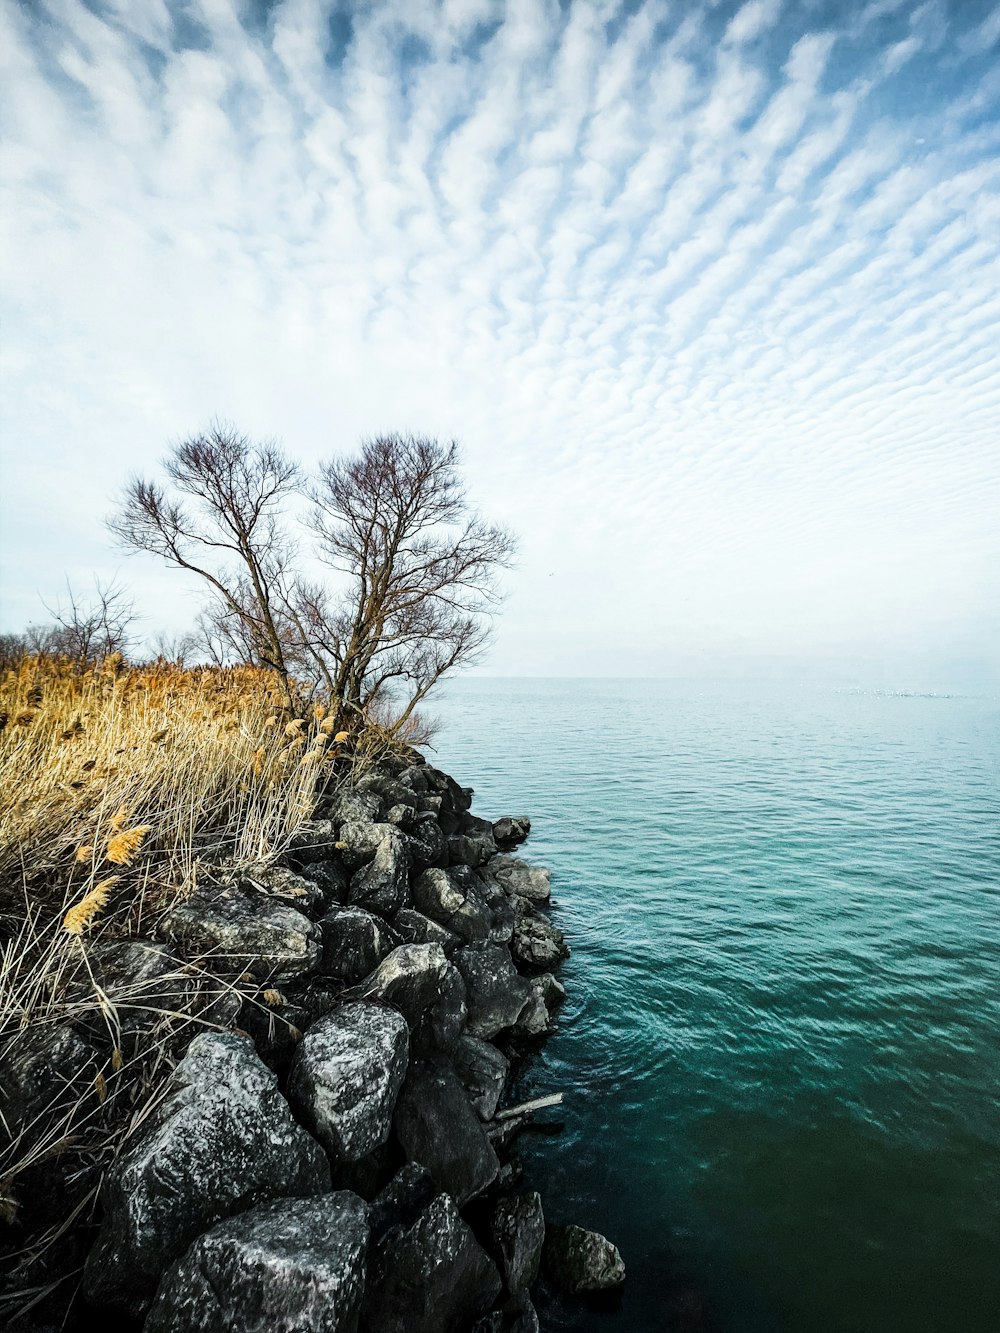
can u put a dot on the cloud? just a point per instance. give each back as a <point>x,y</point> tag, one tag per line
<point>709,296</point>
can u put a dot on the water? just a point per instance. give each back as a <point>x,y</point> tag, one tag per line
<point>780,1049</point>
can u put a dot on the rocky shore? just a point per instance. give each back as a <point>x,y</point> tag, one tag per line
<point>337,1154</point>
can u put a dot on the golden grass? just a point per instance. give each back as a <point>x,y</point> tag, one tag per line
<point>149,769</point>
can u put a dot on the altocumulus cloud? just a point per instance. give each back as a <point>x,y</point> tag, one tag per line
<point>710,293</point>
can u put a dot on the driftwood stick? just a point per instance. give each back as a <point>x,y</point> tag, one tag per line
<point>527,1108</point>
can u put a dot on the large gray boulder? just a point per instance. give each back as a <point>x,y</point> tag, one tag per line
<point>349,806</point>
<point>360,840</point>
<point>483,1071</point>
<point>345,1077</point>
<point>222,1140</point>
<point>577,1260</point>
<point>434,1277</point>
<point>517,876</point>
<point>497,995</point>
<point>241,929</point>
<point>382,884</point>
<point>455,899</point>
<point>294,1264</point>
<point>471,848</point>
<point>518,1231</point>
<point>437,1127</point>
<point>409,978</point>
<point>276,881</point>
<point>354,943</point>
<point>442,1023</point>
<point>413,927</point>
<point>428,845</point>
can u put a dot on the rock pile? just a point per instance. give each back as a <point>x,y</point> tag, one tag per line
<point>310,1168</point>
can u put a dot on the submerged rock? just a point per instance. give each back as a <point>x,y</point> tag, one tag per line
<point>434,1277</point>
<point>293,1264</point>
<point>436,1126</point>
<point>579,1261</point>
<point>346,1075</point>
<point>222,1140</point>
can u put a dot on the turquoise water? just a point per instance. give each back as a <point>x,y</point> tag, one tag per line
<point>780,1049</point>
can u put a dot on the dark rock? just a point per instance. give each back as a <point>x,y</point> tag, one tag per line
<point>331,878</point>
<point>436,1126</point>
<point>279,882</point>
<point>413,927</point>
<point>433,1278</point>
<point>403,815</point>
<point>354,943</point>
<point>511,831</point>
<point>537,943</point>
<point>430,803</point>
<point>138,978</point>
<point>409,978</point>
<point>475,826</point>
<point>389,790</point>
<point>538,1015</point>
<point>517,1316</point>
<point>497,995</point>
<point>397,1207</point>
<point>382,884</point>
<point>222,1140</point>
<point>468,849</point>
<point>276,1028</point>
<point>517,876</point>
<point>454,898</point>
<point>314,840</point>
<point>346,1075</point>
<point>414,778</point>
<point>428,845</point>
<point>501,907</point>
<point>242,929</point>
<point>294,1264</point>
<point>578,1261</point>
<point>443,1022</point>
<point>518,1231</point>
<point>483,1071</point>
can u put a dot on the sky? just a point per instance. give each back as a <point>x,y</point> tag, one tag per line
<point>708,292</point>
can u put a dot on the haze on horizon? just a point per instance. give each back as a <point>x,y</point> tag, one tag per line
<point>710,294</point>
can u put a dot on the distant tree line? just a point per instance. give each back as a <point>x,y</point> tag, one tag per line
<point>408,580</point>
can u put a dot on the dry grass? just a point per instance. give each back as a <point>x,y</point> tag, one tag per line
<point>115,784</point>
<point>147,770</point>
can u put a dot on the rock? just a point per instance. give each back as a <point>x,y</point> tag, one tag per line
<point>501,908</point>
<point>349,806</point>
<point>382,885</point>
<point>517,1316</point>
<point>517,876</point>
<point>346,1075</point>
<point>511,831</point>
<point>400,1203</point>
<point>279,882</point>
<point>436,1126</point>
<point>454,898</point>
<point>360,841</point>
<point>276,1028</point>
<point>403,815</point>
<point>313,840</point>
<point>442,1024</point>
<point>467,849</point>
<point>409,978</point>
<point>292,1264</point>
<point>413,927</point>
<point>331,878</point>
<point>222,1140</point>
<point>496,994</point>
<point>537,943</point>
<point>389,790</point>
<point>414,778</point>
<point>518,1231</point>
<point>433,1278</point>
<point>354,943</point>
<point>139,977</point>
<point>428,845</point>
<point>483,1071</point>
<point>577,1260</point>
<point>538,1015</point>
<point>244,930</point>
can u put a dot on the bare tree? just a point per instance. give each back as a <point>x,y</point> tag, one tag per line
<point>88,631</point>
<point>422,568</point>
<point>233,535</point>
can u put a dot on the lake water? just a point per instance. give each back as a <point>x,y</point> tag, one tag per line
<point>780,1048</point>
